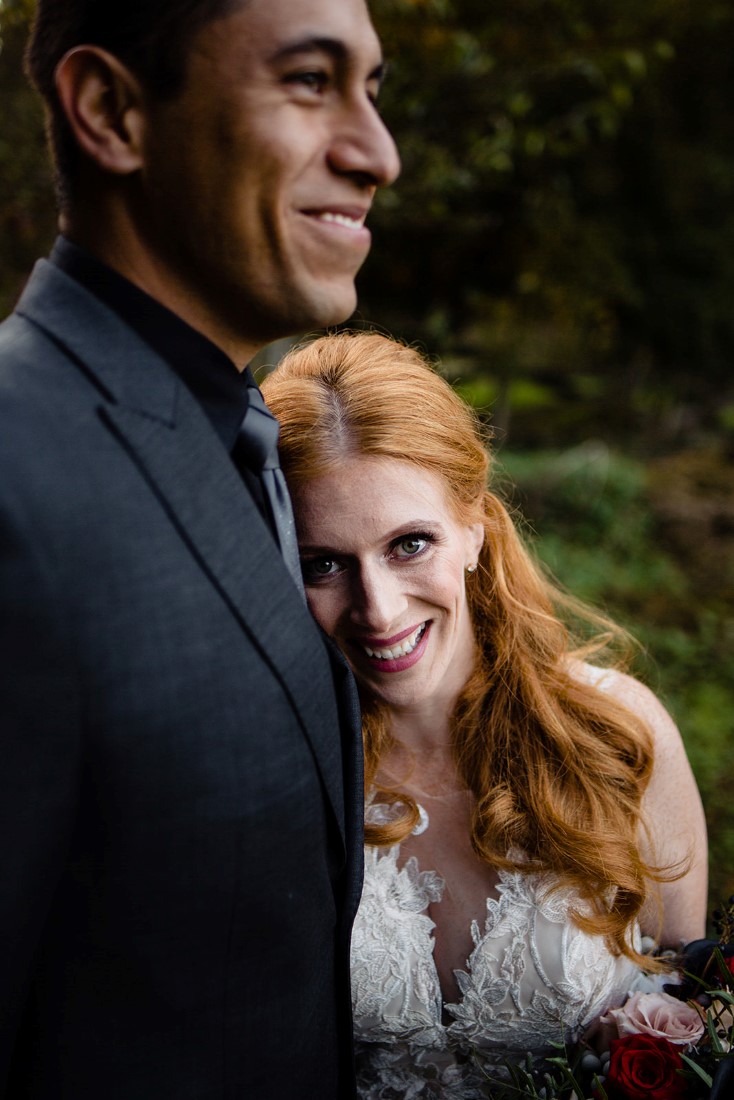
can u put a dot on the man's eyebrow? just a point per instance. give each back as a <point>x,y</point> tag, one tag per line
<point>334,47</point>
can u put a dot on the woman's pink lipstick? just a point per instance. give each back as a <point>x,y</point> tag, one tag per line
<point>393,664</point>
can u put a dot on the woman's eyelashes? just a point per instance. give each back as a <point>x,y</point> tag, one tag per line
<point>318,569</point>
<point>413,545</point>
<point>403,549</point>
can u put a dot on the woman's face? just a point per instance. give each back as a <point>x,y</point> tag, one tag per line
<point>384,564</point>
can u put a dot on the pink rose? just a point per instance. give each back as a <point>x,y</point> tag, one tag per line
<point>659,1015</point>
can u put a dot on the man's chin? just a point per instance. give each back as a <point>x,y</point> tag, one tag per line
<point>297,307</point>
<point>334,305</point>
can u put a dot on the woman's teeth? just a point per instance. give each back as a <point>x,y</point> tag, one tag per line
<point>401,650</point>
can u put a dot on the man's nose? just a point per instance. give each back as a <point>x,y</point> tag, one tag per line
<point>364,146</point>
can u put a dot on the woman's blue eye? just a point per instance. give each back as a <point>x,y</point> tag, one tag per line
<point>321,567</point>
<point>412,546</point>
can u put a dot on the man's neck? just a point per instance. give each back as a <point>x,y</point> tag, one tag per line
<point>122,253</point>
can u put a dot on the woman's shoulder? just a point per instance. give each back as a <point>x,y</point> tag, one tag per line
<point>636,697</point>
<point>675,834</point>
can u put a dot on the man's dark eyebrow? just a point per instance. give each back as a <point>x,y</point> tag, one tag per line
<point>334,47</point>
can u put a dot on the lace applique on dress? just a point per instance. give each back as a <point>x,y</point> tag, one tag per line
<point>532,979</point>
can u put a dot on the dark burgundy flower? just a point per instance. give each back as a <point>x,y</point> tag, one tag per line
<point>644,1067</point>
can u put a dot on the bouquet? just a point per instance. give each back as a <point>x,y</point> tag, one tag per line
<point>677,1044</point>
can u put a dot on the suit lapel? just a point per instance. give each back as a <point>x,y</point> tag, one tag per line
<point>163,428</point>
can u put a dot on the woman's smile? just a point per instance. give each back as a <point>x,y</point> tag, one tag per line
<point>395,655</point>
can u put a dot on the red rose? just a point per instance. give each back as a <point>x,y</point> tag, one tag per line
<point>730,964</point>
<point>643,1067</point>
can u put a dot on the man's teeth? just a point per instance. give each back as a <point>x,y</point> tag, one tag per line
<point>342,219</point>
<point>402,650</point>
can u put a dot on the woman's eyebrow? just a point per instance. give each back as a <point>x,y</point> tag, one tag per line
<point>410,527</point>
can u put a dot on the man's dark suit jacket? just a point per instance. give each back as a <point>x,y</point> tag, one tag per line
<point>180,799</point>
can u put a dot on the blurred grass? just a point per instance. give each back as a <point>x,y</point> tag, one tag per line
<point>602,523</point>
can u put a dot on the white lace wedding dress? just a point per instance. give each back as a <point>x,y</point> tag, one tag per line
<point>532,979</point>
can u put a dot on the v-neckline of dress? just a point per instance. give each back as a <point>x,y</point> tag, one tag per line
<point>437,884</point>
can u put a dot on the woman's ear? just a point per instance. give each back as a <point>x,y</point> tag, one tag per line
<point>104,106</point>
<point>475,542</point>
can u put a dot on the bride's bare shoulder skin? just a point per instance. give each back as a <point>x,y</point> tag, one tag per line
<point>674,816</point>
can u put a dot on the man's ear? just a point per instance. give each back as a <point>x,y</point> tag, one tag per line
<point>104,106</point>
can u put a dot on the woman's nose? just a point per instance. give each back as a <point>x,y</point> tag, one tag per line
<point>378,600</point>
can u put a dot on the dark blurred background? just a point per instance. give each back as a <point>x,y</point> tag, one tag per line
<point>562,239</point>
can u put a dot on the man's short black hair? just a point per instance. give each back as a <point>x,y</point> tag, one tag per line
<point>150,37</point>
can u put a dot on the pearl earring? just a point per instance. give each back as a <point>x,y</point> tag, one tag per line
<point>471,568</point>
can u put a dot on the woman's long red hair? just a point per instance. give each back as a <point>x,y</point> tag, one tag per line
<point>558,767</point>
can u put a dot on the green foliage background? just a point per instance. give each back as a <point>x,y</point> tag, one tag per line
<point>562,237</point>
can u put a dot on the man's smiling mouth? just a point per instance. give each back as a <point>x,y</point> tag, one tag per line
<point>342,219</point>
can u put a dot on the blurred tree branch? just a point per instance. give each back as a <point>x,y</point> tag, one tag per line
<point>27,212</point>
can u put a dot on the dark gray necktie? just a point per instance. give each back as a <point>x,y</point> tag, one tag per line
<point>257,446</point>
